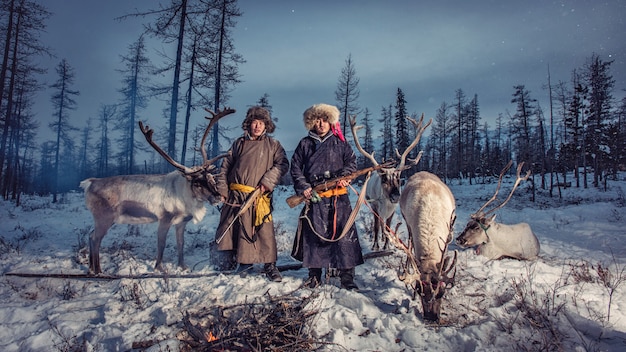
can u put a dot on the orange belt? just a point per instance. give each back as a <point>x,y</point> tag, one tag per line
<point>333,192</point>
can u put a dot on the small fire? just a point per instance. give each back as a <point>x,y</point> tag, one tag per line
<point>209,336</point>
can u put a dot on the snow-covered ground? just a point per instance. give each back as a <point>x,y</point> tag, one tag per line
<point>558,302</point>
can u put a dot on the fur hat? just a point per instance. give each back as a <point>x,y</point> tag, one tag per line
<point>258,113</point>
<point>324,111</point>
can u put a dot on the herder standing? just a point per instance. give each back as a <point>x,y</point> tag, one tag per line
<point>322,155</point>
<point>256,160</point>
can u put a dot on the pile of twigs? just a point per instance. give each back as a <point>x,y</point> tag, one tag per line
<point>271,324</point>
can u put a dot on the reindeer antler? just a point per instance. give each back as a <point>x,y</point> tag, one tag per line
<point>148,132</point>
<point>213,120</point>
<point>419,128</point>
<point>480,213</point>
<point>354,128</point>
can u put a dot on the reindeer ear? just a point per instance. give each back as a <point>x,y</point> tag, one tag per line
<point>490,220</point>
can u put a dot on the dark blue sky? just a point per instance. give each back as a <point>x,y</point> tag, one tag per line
<point>295,50</point>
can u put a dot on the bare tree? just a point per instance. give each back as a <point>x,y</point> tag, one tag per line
<point>105,116</point>
<point>386,136</point>
<point>347,92</point>
<point>24,22</point>
<point>62,101</point>
<point>226,60</point>
<point>368,142</point>
<point>439,136</point>
<point>134,91</point>
<point>600,84</point>
<point>521,121</point>
<point>459,108</point>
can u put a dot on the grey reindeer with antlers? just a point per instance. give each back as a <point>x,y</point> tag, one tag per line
<point>495,240</point>
<point>383,189</point>
<point>169,199</point>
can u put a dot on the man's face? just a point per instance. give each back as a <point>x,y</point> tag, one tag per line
<point>257,127</point>
<point>321,127</point>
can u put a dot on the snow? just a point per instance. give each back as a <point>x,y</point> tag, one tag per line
<point>555,303</point>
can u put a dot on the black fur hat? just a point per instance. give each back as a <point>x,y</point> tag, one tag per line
<point>258,113</point>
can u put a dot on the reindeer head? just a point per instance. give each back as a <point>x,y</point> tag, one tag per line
<point>475,232</point>
<point>390,183</point>
<point>200,177</point>
<point>390,176</point>
<point>432,287</point>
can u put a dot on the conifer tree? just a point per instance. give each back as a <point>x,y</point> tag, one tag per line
<point>347,92</point>
<point>62,102</point>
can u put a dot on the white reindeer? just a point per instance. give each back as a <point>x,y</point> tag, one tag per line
<point>383,189</point>
<point>169,199</point>
<point>494,240</point>
<point>428,208</point>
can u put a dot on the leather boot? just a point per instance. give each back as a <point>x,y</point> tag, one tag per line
<point>347,279</point>
<point>272,272</point>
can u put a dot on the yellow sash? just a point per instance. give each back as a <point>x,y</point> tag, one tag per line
<point>262,203</point>
<point>333,192</point>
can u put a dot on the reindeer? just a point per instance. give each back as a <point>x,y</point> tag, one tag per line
<point>383,189</point>
<point>169,199</point>
<point>428,209</point>
<point>494,240</point>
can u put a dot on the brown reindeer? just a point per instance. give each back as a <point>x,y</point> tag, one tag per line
<point>383,189</point>
<point>494,240</point>
<point>169,199</point>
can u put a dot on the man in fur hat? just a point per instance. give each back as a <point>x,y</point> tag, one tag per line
<point>256,160</point>
<point>322,155</point>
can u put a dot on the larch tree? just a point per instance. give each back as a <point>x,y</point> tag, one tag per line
<point>63,102</point>
<point>225,60</point>
<point>106,114</point>
<point>264,102</point>
<point>368,141</point>
<point>347,92</point>
<point>169,26</point>
<point>574,146</point>
<point>439,138</point>
<point>386,134</point>
<point>459,162</point>
<point>402,133</point>
<point>600,84</point>
<point>21,22</point>
<point>472,143</point>
<point>135,80</point>
<point>522,123</point>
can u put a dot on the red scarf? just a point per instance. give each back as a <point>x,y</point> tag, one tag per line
<point>336,129</point>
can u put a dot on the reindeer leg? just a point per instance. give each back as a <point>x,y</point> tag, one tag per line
<point>164,227</point>
<point>377,226</point>
<point>180,243</point>
<point>386,229</point>
<point>95,239</point>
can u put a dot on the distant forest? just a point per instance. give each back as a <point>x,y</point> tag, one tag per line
<point>582,130</point>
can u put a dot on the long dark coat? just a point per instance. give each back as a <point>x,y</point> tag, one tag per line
<point>312,158</point>
<point>251,163</point>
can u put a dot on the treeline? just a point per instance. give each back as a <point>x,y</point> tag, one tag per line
<point>582,131</point>
<point>203,64</point>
